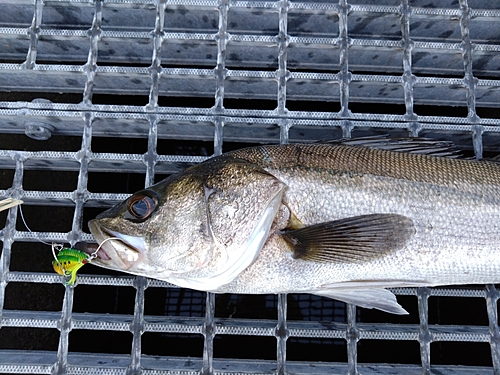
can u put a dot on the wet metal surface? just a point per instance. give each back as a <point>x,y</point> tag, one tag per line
<point>101,98</point>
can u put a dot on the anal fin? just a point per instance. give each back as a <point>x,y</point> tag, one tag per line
<point>369,298</point>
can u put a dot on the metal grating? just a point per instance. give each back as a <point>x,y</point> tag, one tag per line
<point>120,93</point>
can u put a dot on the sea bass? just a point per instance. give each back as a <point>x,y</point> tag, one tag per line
<point>334,220</point>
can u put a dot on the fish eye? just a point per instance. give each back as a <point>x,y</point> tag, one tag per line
<point>141,206</point>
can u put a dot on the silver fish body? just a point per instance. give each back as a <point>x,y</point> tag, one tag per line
<point>333,220</point>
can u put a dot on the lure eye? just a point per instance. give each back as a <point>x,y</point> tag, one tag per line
<point>141,206</point>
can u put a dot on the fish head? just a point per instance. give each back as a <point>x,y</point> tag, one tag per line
<point>159,229</point>
<point>199,228</point>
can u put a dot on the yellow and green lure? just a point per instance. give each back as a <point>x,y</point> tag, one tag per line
<point>68,261</point>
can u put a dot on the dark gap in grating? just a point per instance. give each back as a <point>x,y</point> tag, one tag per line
<point>47,180</point>
<point>103,299</point>
<point>434,110</point>
<point>78,59</point>
<point>154,301</point>
<point>88,341</point>
<point>373,92</point>
<point>133,100</point>
<point>172,344</point>
<point>313,106</point>
<point>377,73</point>
<point>299,134</point>
<point>377,108</point>
<point>267,68</point>
<point>245,347</point>
<point>367,131</point>
<point>184,302</point>
<point>160,177</point>
<point>54,97</point>
<point>174,302</point>
<point>461,140</point>
<point>34,296</point>
<point>300,69</point>
<point>460,311</point>
<point>316,349</point>
<point>111,145</point>
<point>491,144</point>
<point>193,302</point>
<point>24,143</point>
<point>6,177</point>
<point>427,4</point>
<point>314,308</point>
<point>90,213</point>
<point>250,133</point>
<point>186,102</point>
<point>181,147</point>
<point>389,351</point>
<point>14,60</point>
<point>46,218</point>
<point>441,76</point>
<point>3,218</point>
<point>246,306</point>
<point>163,170</point>
<point>98,271</point>
<point>409,303</point>
<point>483,112</point>
<point>31,257</point>
<point>461,353</point>
<point>27,338</point>
<point>127,183</point>
<point>249,104</point>
<point>136,64</point>
<point>211,64</point>
<point>232,146</point>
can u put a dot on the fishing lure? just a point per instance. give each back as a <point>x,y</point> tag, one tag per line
<point>68,261</point>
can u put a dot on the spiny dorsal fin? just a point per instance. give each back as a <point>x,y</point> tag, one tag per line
<point>411,145</point>
<point>354,239</point>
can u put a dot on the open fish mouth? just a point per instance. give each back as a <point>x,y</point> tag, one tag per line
<point>115,249</point>
<point>91,249</point>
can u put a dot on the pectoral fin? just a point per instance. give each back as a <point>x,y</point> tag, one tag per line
<point>355,239</point>
<point>372,298</point>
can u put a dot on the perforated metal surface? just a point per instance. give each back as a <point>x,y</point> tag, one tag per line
<point>120,93</point>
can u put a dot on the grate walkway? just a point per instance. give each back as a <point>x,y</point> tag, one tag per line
<point>101,98</point>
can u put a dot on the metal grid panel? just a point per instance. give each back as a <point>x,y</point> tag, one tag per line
<point>224,71</point>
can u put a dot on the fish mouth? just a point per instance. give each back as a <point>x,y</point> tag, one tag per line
<point>93,250</point>
<point>115,250</point>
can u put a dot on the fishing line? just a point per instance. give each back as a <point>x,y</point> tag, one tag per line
<point>28,228</point>
<point>94,254</point>
<point>67,261</point>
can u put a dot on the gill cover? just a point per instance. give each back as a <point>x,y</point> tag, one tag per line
<point>240,202</point>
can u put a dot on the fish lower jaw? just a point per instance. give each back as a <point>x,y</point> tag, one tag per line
<point>114,252</point>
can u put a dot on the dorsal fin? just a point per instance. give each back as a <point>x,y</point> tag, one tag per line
<point>412,145</point>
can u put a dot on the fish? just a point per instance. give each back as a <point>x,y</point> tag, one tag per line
<point>347,221</point>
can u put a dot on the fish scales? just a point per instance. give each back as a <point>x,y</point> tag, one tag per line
<point>463,174</point>
<point>333,220</point>
<point>454,203</point>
